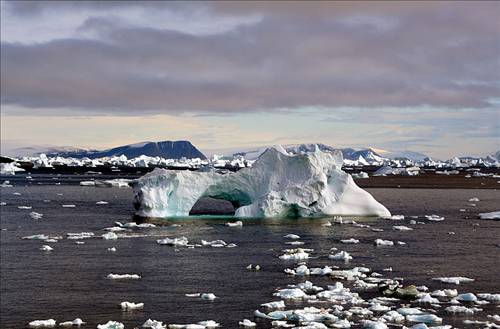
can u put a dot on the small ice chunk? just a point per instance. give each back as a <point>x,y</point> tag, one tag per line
<point>350,241</point>
<point>409,311</point>
<point>153,324</point>
<point>290,293</point>
<point>327,224</point>
<point>402,228</point>
<point>274,305</point>
<point>46,248</point>
<point>111,325</point>
<point>445,293</point>
<point>424,318</point>
<point>68,206</point>
<point>76,322</point>
<point>434,218</point>
<point>468,297</point>
<point>123,276</point>
<point>295,254</point>
<point>380,242</point>
<point>113,249</point>
<point>474,199</point>
<point>247,323</point>
<point>183,241</point>
<point>42,323</point>
<point>36,215</point>
<point>235,224</point>
<point>102,202</point>
<point>24,207</point>
<point>295,243</point>
<point>462,309</point>
<point>454,279</point>
<point>490,297</point>
<point>208,296</point>
<point>490,215</point>
<point>36,237</point>
<point>292,236</point>
<point>342,255</point>
<point>109,236</point>
<point>78,236</point>
<point>426,298</point>
<point>129,306</point>
<point>369,324</point>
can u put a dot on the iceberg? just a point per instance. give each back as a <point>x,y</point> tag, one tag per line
<point>277,185</point>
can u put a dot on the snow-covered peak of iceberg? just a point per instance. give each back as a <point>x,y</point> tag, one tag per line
<point>277,185</point>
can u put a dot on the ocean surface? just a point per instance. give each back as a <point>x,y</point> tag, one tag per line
<point>70,281</point>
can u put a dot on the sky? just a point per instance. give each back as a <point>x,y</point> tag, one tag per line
<point>420,76</point>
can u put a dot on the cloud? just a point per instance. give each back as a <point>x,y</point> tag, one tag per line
<point>265,56</point>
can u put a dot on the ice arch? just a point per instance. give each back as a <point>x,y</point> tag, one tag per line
<point>278,184</point>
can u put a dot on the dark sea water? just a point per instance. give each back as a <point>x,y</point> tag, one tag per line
<point>71,282</point>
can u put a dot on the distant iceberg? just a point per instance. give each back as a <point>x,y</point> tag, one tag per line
<point>277,185</point>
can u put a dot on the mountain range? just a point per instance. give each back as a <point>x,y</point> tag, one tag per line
<point>164,149</point>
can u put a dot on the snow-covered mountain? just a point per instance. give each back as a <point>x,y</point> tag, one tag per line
<point>165,149</point>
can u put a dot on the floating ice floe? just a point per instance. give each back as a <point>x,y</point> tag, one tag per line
<point>24,207</point>
<point>118,182</point>
<point>209,324</point>
<point>295,254</point>
<point>109,236</point>
<point>277,185</point>
<point>35,215</point>
<point>46,248</point>
<point>124,276</point>
<point>102,202</point>
<point>68,205</point>
<point>360,175</point>
<point>42,323</point>
<point>235,224</point>
<point>424,318</point>
<point>454,279</point>
<point>402,228</point>
<point>434,218</point>
<point>247,323</point>
<point>112,249</point>
<point>427,298</point>
<point>490,215</point>
<point>290,293</point>
<point>76,322</point>
<point>343,255</point>
<point>474,199</point>
<point>129,306</point>
<point>111,325</point>
<point>79,236</point>
<point>183,241</point>
<point>380,242</point>
<point>490,297</point>
<point>204,295</point>
<point>9,168</point>
<point>462,309</point>
<point>292,236</point>
<point>350,241</point>
<point>369,324</point>
<point>468,297</point>
<point>445,293</point>
<point>153,324</point>
<point>256,267</point>
<point>274,305</point>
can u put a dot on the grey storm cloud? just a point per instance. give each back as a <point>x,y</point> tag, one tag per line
<point>327,54</point>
